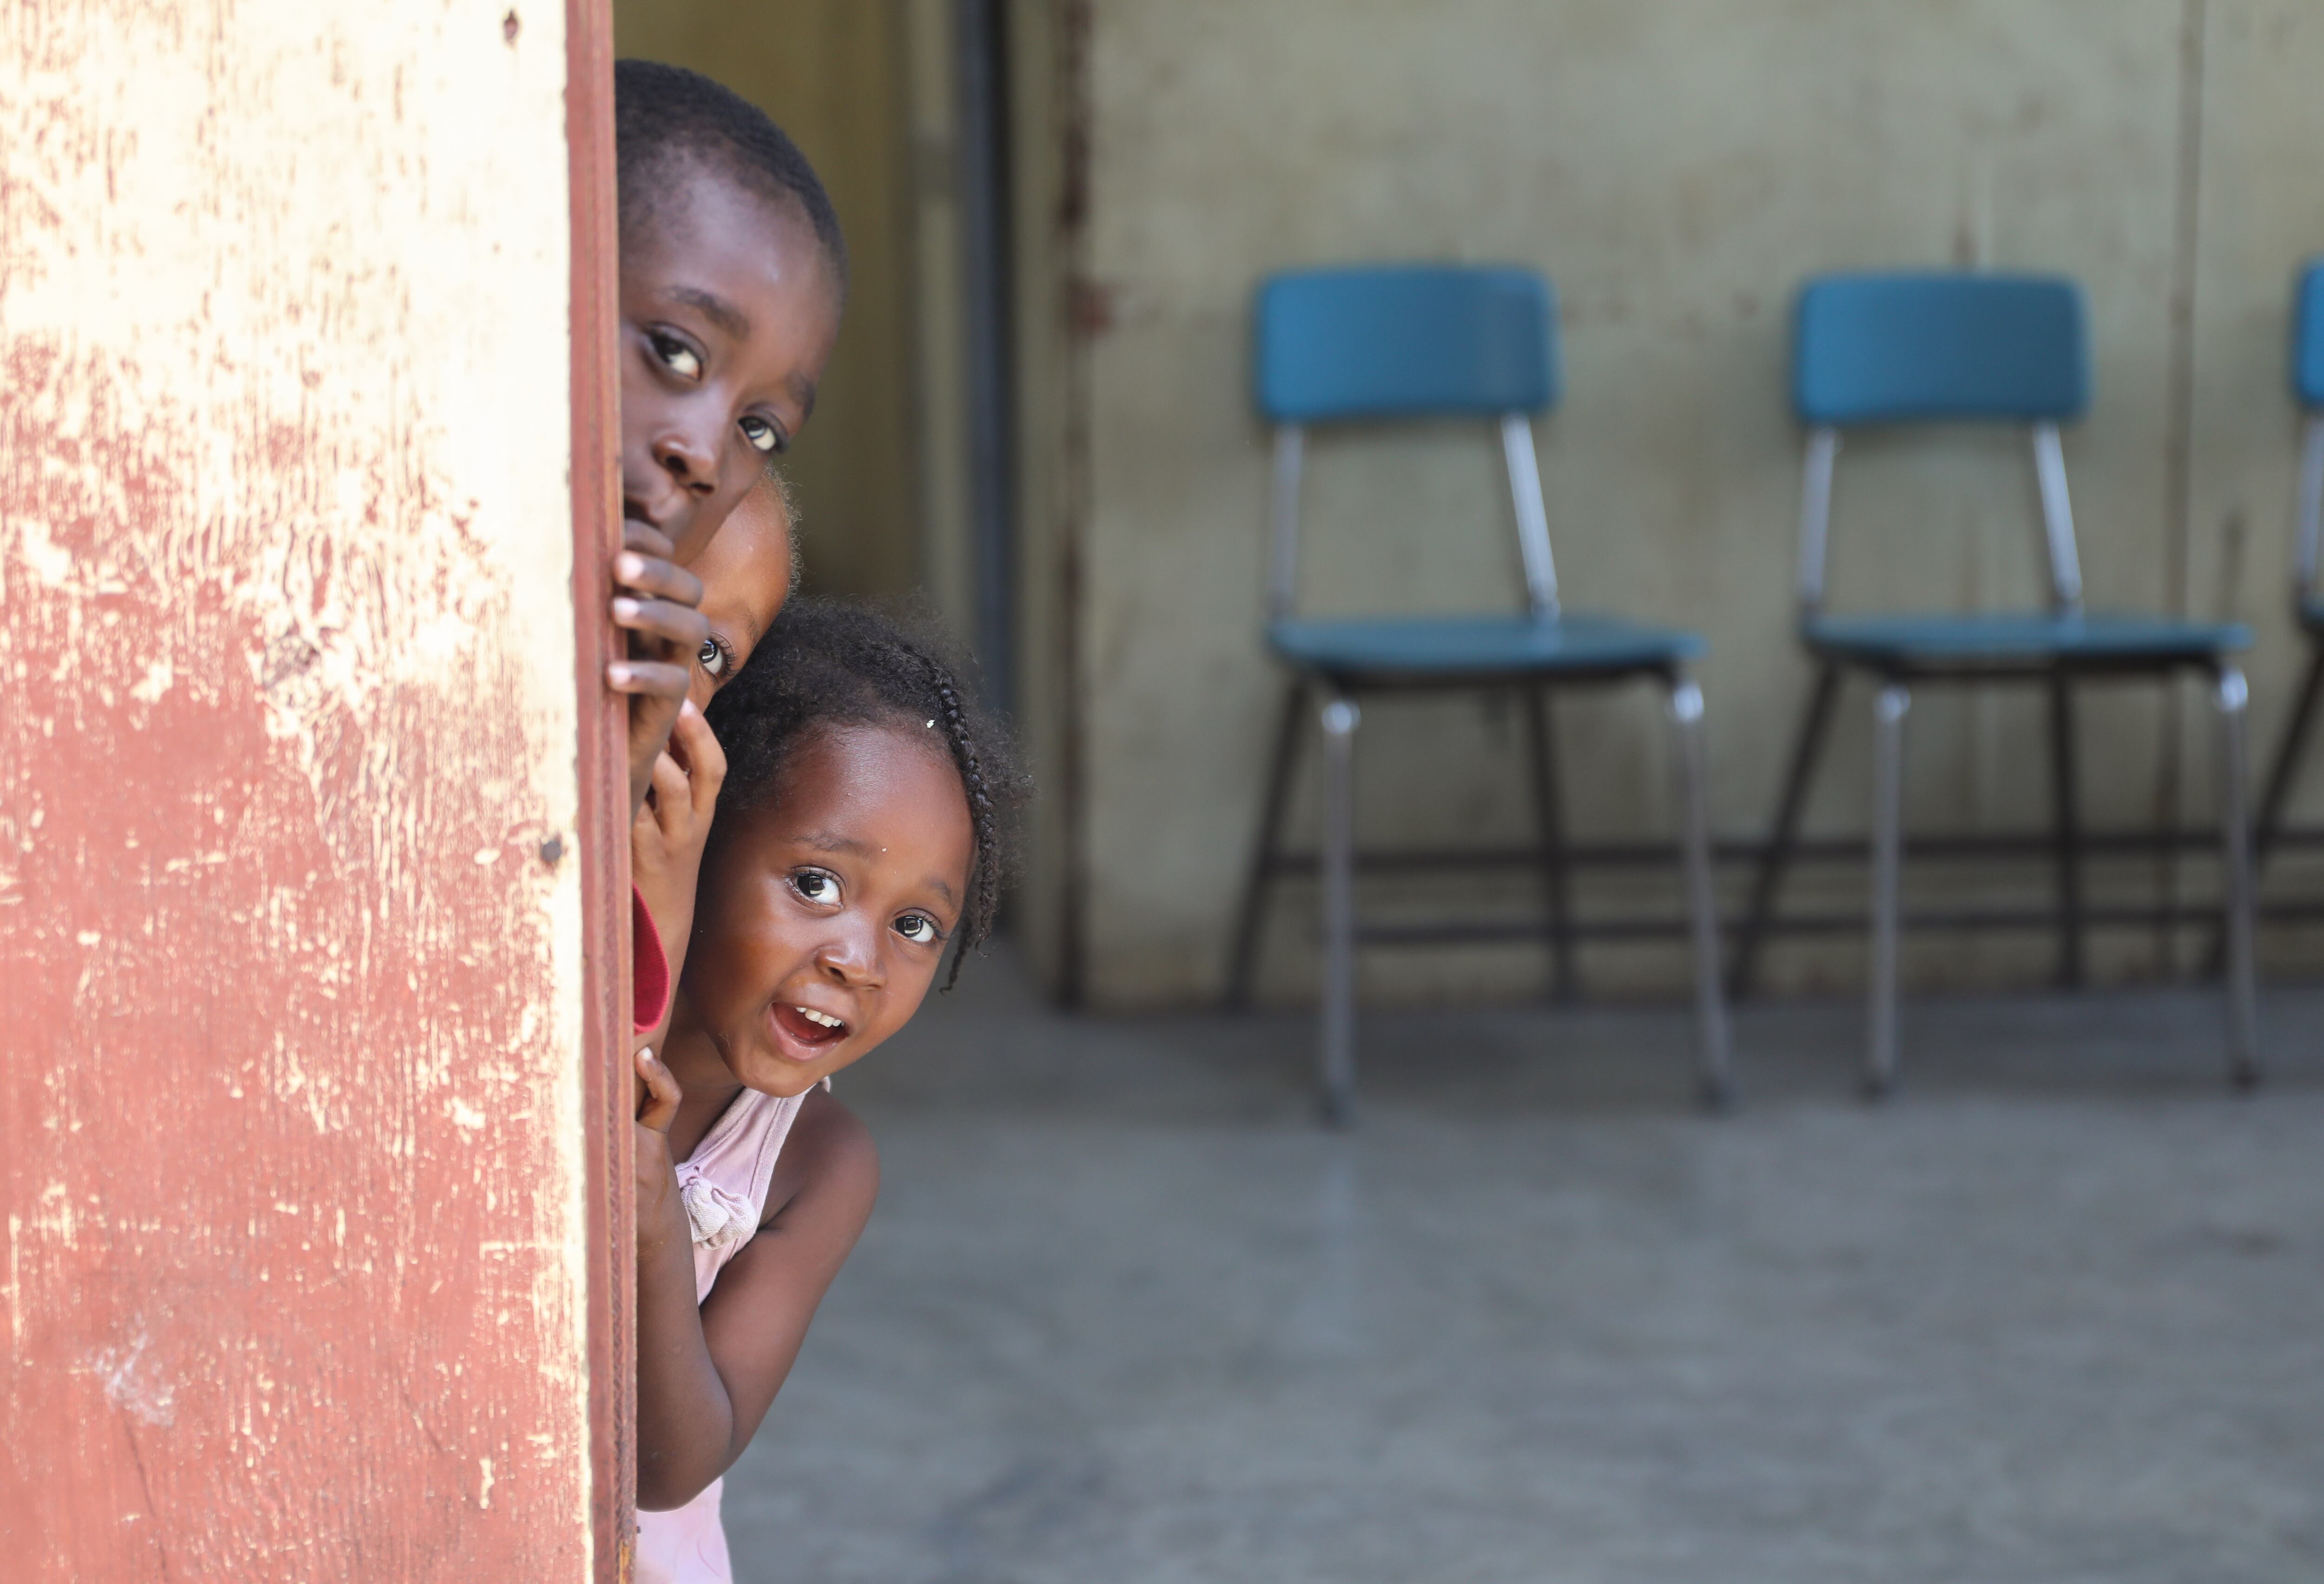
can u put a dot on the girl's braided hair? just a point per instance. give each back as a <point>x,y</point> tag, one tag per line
<point>823,664</point>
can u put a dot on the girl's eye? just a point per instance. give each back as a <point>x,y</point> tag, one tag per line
<point>677,357</point>
<point>919,929</point>
<point>716,657</point>
<point>816,885</point>
<point>764,436</point>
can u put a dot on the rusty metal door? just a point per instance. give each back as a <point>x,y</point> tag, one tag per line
<point>311,1152</point>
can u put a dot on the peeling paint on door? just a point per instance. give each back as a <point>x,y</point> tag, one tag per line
<point>299,1156</point>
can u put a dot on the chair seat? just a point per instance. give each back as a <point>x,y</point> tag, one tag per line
<point>1395,649</point>
<point>2009,638</point>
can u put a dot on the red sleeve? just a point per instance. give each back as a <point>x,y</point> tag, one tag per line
<point>648,967</point>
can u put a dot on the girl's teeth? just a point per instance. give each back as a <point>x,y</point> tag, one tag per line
<point>825,1019</point>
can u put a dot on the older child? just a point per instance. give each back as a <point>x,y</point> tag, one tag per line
<point>857,842</point>
<point>732,276</point>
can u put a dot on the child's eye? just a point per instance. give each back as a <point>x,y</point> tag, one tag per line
<point>919,929</point>
<point>716,657</point>
<point>677,357</point>
<point>816,885</point>
<point>764,436</point>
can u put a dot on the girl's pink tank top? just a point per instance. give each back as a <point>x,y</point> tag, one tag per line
<point>723,1186</point>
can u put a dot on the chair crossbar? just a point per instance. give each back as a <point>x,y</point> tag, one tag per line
<point>1922,921</point>
<point>2125,845</point>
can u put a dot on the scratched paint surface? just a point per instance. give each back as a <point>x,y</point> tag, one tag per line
<point>291,1133</point>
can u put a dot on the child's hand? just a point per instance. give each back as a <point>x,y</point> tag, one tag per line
<point>667,836</point>
<point>658,1106</point>
<point>655,599</point>
<point>657,1109</point>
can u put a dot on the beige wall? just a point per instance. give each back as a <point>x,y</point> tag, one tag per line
<point>1677,166</point>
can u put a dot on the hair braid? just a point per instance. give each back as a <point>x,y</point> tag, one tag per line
<point>984,881</point>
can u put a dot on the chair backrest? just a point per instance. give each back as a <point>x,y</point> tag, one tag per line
<point>1906,348</point>
<point>1931,346</point>
<point>1407,341</point>
<point>1404,341</point>
<point>2308,385</point>
<point>2308,337</point>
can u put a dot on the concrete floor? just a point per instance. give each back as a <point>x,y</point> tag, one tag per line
<point>1125,1314</point>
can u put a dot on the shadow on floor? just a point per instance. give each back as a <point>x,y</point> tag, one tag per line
<point>1125,1314</point>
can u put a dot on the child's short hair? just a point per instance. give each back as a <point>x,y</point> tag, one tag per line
<point>825,664</point>
<point>662,113</point>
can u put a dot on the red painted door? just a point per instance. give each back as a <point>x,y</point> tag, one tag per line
<point>310,1142</point>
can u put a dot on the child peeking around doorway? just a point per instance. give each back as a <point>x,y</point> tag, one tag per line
<point>747,573</point>
<point>733,277</point>
<point>857,844</point>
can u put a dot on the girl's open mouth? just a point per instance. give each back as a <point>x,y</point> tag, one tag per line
<point>808,1032</point>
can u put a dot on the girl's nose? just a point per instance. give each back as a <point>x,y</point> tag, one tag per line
<point>691,459</point>
<point>852,958</point>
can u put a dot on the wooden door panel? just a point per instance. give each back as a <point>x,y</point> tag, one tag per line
<point>305,1115</point>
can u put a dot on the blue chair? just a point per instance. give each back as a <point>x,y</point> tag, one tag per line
<point>2308,387</point>
<point>1418,343</point>
<point>1906,348</point>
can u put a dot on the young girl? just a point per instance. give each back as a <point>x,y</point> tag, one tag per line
<point>857,842</point>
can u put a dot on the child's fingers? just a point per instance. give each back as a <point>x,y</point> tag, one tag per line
<point>683,627</point>
<point>669,794</point>
<point>653,678</point>
<point>651,716</point>
<point>709,776</point>
<point>653,710</point>
<point>647,540</point>
<point>657,1108</point>
<point>694,741</point>
<point>656,578</point>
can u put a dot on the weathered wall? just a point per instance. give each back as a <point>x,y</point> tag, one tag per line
<point>295,1279</point>
<point>1677,168</point>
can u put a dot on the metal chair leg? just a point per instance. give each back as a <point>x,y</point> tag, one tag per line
<point>2288,755</point>
<point>1888,711</point>
<point>1550,822</point>
<point>1339,891</point>
<point>2290,750</point>
<point>2068,830</point>
<point>1788,810</point>
<point>1242,959</point>
<point>1703,902</point>
<point>2233,697</point>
